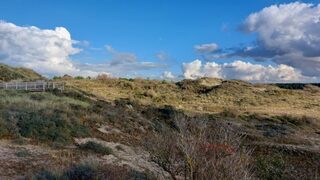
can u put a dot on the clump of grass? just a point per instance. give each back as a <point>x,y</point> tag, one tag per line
<point>96,171</point>
<point>48,126</point>
<point>45,174</point>
<point>4,130</point>
<point>80,172</point>
<point>23,153</point>
<point>150,93</point>
<point>230,112</point>
<point>37,96</point>
<point>19,141</point>
<point>119,148</point>
<point>296,120</point>
<point>96,147</point>
<point>270,167</point>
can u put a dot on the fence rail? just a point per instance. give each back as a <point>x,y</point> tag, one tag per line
<point>32,86</point>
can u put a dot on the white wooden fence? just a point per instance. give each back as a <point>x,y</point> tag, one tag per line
<point>32,86</point>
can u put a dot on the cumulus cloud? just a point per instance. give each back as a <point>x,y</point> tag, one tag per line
<point>192,70</point>
<point>206,48</point>
<point>287,34</point>
<point>49,52</point>
<point>244,71</point>
<point>168,75</point>
<point>46,51</point>
<point>128,69</point>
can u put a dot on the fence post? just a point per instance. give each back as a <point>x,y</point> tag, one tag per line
<point>16,85</point>
<point>43,86</point>
<point>6,85</point>
<point>26,86</point>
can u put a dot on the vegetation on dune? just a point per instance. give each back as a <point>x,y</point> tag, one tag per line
<point>196,129</point>
<point>269,115</point>
<point>206,95</point>
<point>96,147</point>
<point>92,171</point>
<point>43,117</point>
<point>8,73</point>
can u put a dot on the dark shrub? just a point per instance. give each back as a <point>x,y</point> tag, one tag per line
<point>138,175</point>
<point>4,132</point>
<point>47,125</point>
<point>78,77</point>
<point>23,153</point>
<point>56,77</point>
<point>96,147</point>
<point>45,175</point>
<point>81,172</point>
<point>75,95</point>
<point>37,97</point>
<point>34,125</point>
<point>270,167</point>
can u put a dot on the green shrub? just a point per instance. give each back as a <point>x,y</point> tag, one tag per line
<point>140,175</point>
<point>96,147</point>
<point>46,175</point>
<point>56,77</point>
<point>87,171</point>
<point>4,132</point>
<point>23,153</point>
<point>80,172</point>
<point>79,77</point>
<point>48,125</point>
<point>270,167</point>
<point>37,97</point>
<point>74,94</point>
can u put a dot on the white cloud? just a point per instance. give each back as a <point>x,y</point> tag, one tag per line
<point>168,75</point>
<point>244,71</point>
<point>123,64</point>
<point>206,48</point>
<point>46,51</point>
<point>123,70</point>
<point>162,56</point>
<point>192,70</point>
<point>120,57</point>
<point>287,34</point>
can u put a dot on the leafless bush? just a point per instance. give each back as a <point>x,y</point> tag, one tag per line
<point>102,77</point>
<point>201,150</point>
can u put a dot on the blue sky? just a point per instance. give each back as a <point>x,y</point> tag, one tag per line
<point>142,27</point>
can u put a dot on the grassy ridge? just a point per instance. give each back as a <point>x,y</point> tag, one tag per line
<point>8,73</point>
<point>208,95</point>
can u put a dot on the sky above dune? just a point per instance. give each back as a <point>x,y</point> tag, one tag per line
<point>260,41</point>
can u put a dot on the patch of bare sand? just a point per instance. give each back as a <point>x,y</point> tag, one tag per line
<point>123,155</point>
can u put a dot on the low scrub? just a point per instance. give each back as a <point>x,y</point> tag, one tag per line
<point>91,172</point>
<point>47,125</point>
<point>43,117</point>
<point>270,167</point>
<point>96,147</point>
